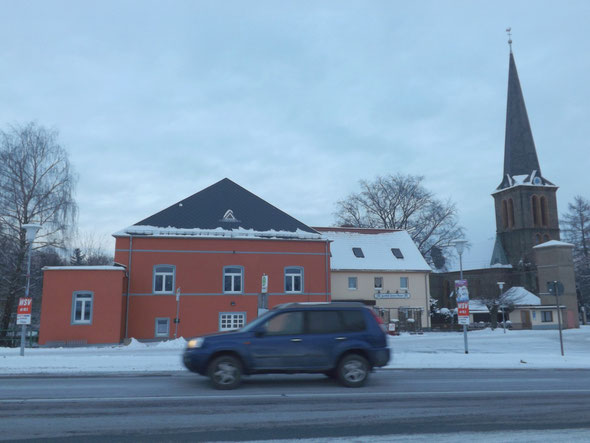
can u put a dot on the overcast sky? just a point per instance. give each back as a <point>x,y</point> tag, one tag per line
<point>295,101</point>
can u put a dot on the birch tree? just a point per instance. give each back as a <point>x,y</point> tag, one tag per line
<point>36,186</point>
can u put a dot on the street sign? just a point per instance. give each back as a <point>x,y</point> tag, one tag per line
<point>555,287</point>
<point>462,294</point>
<point>264,289</point>
<point>24,311</point>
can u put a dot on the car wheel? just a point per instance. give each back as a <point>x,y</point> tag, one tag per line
<point>353,371</point>
<point>225,372</point>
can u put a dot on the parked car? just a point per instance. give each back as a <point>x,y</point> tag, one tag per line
<point>342,340</point>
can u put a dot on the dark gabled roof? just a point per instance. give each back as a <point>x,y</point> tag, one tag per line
<point>228,206</point>
<point>520,154</point>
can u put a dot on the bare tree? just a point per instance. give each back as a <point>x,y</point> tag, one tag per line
<point>575,227</point>
<point>91,250</point>
<point>402,202</point>
<point>36,186</point>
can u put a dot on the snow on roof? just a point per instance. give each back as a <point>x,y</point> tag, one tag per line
<point>217,232</point>
<point>377,251</point>
<point>477,255</point>
<point>518,295</point>
<point>477,307</point>
<point>552,243</point>
<point>83,268</point>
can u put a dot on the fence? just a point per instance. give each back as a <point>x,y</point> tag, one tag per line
<point>10,338</point>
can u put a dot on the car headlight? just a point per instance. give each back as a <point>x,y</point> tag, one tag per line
<point>196,342</point>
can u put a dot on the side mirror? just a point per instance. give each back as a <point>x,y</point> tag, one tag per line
<point>260,332</point>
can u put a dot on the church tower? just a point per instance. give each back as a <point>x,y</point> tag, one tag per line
<point>525,201</point>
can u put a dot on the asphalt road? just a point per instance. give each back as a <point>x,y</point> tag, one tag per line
<point>182,406</point>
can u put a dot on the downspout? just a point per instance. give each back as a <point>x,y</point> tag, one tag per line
<point>427,300</point>
<point>327,271</point>
<point>128,287</point>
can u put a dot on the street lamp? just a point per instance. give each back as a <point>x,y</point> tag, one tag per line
<point>31,230</point>
<point>460,247</point>
<point>501,285</point>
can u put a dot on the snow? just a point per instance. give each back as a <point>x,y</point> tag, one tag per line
<point>84,268</point>
<point>238,232</point>
<point>552,243</point>
<point>477,306</point>
<point>519,296</point>
<point>377,251</point>
<point>487,349</point>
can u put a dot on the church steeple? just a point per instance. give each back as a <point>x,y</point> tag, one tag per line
<point>521,165</point>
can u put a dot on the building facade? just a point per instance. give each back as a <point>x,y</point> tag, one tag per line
<point>382,268</point>
<point>209,263</point>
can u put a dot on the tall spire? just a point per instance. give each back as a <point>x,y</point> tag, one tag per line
<point>520,155</point>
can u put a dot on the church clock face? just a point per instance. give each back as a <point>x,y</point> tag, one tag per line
<point>537,181</point>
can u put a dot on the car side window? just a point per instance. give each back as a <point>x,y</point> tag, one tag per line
<point>287,323</point>
<point>324,322</point>
<point>354,321</point>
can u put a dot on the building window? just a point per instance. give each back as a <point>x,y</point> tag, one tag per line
<point>537,239</point>
<point>397,252</point>
<point>510,213</point>
<point>294,280</point>
<point>378,282</point>
<point>546,238</point>
<point>162,327</point>
<point>536,210</point>
<point>358,252</point>
<point>547,316</point>
<point>229,321</point>
<point>352,283</point>
<point>163,279</point>
<point>504,214</point>
<point>403,283</point>
<point>544,211</point>
<point>82,308</point>
<point>232,279</point>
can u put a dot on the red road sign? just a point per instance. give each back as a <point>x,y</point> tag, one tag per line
<point>25,306</point>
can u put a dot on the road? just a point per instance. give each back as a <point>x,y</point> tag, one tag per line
<point>182,406</point>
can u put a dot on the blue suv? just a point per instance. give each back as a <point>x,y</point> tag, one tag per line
<point>342,340</point>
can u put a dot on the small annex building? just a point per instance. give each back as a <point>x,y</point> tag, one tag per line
<point>382,268</point>
<point>214,261</point>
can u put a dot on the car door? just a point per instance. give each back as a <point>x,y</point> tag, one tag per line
<point>280,343</point>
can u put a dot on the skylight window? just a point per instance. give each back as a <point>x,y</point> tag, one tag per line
<point>397,253</point>
<point>358,252</point>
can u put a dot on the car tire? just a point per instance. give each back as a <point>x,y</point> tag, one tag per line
<point>225,372</point>
<point>353,371</point>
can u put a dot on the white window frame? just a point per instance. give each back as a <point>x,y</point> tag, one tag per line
<point>230,321</point>
<point>375,282</point>
<point>292,273</point>
<point>166,276</point>
<point>356,284</point>
<point>233,276</point>
<point>161,334</point>
<point>84,298</point>
<point>407,286</point>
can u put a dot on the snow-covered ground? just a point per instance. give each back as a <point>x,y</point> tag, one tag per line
<point>487,349</point>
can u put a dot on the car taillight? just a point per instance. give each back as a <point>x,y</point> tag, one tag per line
<point>379,321</point>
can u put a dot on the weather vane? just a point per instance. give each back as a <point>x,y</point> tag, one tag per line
<point>509,38</point>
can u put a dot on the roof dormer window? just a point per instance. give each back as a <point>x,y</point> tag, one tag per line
<point>397,253</point>
<point>358,252</point>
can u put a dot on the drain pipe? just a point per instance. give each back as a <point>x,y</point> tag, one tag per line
<point>327,270</point>
<point>128,286</point>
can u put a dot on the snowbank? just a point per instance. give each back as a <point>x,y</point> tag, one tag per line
<point>487,349</point>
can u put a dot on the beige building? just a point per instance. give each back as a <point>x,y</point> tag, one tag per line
<point>382,268</point>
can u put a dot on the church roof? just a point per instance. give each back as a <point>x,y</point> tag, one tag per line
<point>224,209</point>
<point>521,165</point>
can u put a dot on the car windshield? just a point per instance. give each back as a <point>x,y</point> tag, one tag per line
<point>258,321</point>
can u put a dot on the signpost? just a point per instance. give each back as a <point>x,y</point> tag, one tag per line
<point>177,319</point>
<point>556,288</point>
<point>462,294</point>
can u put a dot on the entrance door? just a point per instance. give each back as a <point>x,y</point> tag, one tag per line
<point>525,318</point>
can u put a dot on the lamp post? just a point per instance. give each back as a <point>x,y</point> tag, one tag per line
<point>460,247</point>
<point>501,285</point>
<point>31,230</point>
